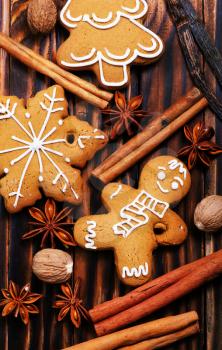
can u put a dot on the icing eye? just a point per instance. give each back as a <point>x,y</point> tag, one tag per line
<point>161,175</point>
<point>70,138</point>
<point>175,185</point>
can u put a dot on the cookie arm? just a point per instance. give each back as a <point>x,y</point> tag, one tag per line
<point>95,232</point>
<point>112,193</point>
<point>174,229</point>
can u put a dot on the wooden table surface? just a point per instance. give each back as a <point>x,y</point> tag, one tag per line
<point>161,84</point>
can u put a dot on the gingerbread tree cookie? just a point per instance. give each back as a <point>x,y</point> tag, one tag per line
<point>106,37</point>
<point>139,219</point>
<point>39,143</point>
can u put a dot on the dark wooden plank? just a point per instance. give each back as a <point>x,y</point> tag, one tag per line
<point>212,17</point>
<point>169,80</point>
<point>4,218</point>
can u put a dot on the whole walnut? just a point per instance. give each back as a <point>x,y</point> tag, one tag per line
<point>52,265</point>
<point>42,16</point>
<point>208,214</point>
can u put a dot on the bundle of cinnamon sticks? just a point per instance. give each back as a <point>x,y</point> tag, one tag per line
<point>156,132</point>
<point>152,335</point>
<point>154,295</point>
<point>69,81</point>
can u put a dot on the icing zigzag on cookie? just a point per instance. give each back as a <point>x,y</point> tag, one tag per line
<point>91,235</point>
<point>142,270</point>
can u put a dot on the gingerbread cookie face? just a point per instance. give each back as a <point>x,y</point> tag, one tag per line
<point>39,144</point>
<point>168,177</point>
<point>107,37</point>
<point>138,220</point>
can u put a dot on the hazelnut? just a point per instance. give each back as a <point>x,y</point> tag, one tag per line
<point>208,214</point>
<point>42,16</point>
<point>52,265</point>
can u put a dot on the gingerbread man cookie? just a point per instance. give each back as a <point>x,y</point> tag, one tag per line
<point>139,219</point>
<point>39,143</point>
<point>106,37</point>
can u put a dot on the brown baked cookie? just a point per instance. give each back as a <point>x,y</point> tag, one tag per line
<point>39,143</point>
<point>107,37</point>
<point>139,220</point>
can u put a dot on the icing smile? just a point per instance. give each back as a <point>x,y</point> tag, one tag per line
<point>161,188</point>
<point>174,185</point>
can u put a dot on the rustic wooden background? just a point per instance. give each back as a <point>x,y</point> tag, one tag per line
<point>161,84</point>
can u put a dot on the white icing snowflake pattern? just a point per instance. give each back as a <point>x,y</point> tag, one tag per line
<point>38,145</point>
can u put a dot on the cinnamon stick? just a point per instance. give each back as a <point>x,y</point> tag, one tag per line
<point>153,135</point>
<point>168,339</point>
<point>135,335</point>
<point>119,304</point>
<point>201,273</point>
<point>69,81</point>
<point>170,114</point>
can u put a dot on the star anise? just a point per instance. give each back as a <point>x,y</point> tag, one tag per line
<point>50,223</point>
<point>19,301</point>
<point>200,148</point>
<point>125,116</point>
<point>70,303</point>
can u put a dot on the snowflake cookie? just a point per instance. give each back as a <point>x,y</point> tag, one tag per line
<point>139,219</point>
<point>39,143</point>
<point>107,36</point>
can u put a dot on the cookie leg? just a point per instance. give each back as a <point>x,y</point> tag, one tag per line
<point>95,232</point>
<point>134,262</point>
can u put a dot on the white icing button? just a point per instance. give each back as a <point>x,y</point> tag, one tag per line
<point>161,175</point>
<point>60,122</point>
<point>27,115</point>
<point>6,170</point>
<point>54,182</point>
<point>40,178</point>
<point>175,185</point>
<point>68,160</point>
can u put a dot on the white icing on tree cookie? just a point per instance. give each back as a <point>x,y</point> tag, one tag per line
<point>85,11</point>
<point>99,20</point>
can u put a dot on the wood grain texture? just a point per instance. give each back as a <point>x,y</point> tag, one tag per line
<point>161,84</point>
